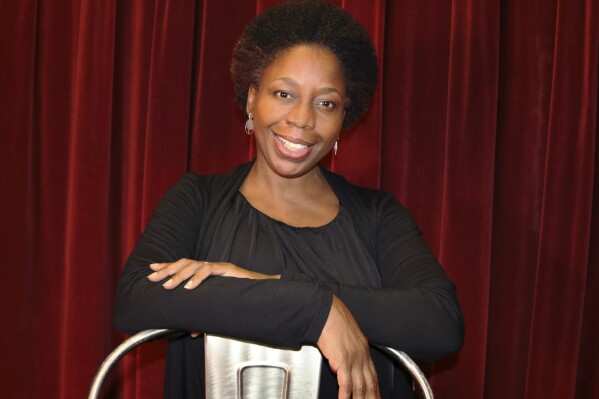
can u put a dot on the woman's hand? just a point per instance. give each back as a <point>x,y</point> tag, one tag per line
<point>347,351</point>
<point>195,272</point>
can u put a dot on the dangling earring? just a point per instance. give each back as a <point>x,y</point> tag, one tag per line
<point>335,147</point>
<point>249,124</point>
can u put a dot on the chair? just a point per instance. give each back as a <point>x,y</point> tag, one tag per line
<point>242,370</point>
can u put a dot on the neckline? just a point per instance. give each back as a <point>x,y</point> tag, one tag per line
<point>289,226</point>
<point>331,178</point>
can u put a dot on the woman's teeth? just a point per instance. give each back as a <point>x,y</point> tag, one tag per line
<point>291,146</point>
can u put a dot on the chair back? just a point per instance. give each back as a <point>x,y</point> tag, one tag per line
<point>243,370</point>
<point>246,369</point>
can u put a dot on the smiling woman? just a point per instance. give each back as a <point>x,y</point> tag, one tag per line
<point>320,261</point>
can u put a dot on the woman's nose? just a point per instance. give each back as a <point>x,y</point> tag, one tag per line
<point>301,115</point>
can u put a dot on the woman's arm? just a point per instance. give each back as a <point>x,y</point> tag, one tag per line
<point>416,310</point>
<point>290,314</point>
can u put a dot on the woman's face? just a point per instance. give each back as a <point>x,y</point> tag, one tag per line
<point>298,109</point>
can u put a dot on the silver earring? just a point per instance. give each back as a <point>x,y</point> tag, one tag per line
<point>249,124</point>
<point>335,147</point>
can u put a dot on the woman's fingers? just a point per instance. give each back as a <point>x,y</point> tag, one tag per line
<point>163,270</point>
<point>347,351</point>
<point>357,383</point>
<point>187,270</point>
<point>178,271</point>
<point>372,387</point>
<point>204,271</point>
<point>195,272</point>
<point>364,382</point>
<point>345,383</point>
<point>360,383</point>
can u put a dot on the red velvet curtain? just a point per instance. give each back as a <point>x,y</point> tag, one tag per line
<point>484,125</point>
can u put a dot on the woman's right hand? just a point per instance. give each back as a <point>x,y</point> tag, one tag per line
<point>195,272</point>
<point>346,348</point>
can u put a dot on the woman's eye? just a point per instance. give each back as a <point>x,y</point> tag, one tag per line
<point>327,104</point>
<point>282,94</point>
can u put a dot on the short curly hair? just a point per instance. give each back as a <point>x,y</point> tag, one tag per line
<point>314,22</point>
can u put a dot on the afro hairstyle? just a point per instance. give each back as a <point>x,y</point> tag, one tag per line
<point>312,22</point>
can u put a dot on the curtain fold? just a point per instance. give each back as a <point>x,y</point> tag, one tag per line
<point>484,125</point>
<point>562,262</point>
<point>466,199</point>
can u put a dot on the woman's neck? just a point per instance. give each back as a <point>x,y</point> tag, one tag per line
<point>303,201</point>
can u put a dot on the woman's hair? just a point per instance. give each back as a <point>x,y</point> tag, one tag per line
<point>314,22</point>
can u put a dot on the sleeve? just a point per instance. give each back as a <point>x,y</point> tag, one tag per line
<point>416,310</point>
<point>290,313</point>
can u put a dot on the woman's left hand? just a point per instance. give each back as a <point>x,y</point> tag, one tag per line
<point>197,271</point>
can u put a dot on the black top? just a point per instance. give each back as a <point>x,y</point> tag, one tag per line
<point>372,256</point>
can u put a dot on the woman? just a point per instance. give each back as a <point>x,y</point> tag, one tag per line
<point>281,240</point>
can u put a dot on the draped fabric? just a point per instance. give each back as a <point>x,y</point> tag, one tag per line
<point>484,125</point>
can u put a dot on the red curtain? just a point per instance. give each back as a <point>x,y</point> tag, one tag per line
<point>484,125</point>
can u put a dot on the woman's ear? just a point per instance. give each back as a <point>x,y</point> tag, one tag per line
<point>249,106</point>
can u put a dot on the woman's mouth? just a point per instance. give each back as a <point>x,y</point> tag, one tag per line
<point>290,149</point>
<point>289,145</point>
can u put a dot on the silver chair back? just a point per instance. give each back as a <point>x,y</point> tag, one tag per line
<point>243,370</point>
<point>251,368</point>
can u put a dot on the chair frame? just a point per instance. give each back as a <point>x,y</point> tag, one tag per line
<point>151,335</point>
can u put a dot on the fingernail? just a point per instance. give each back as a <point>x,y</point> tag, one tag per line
<point>168,283</point>
<point>188,285</point>
<point>152,275</point>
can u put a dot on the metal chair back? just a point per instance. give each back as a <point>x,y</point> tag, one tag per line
<point>243,370</point>
<point>239,370</point>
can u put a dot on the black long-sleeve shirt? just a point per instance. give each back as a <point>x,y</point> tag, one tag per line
<point>372,256</point>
